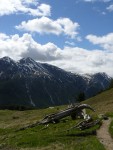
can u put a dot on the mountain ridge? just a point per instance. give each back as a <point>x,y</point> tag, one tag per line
<point>36,84</point>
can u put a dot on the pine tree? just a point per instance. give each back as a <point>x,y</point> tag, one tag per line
<point>81,97</point>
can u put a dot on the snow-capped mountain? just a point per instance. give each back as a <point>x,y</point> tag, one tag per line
<point>35,84</point>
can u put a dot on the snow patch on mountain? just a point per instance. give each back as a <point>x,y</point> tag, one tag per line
<point>46,84</point>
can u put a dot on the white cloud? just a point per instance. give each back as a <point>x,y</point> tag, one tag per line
<point>105,41</point>
<point>69,28</point>
<point>80,60</point>
<point>17,47</point>
<point>73,59</point>
<point>8,7</point>
<point>45,9</point>
<point>3,36</point>
<point>110,8</point>
<point>70,43</point>
<point>45,25</point>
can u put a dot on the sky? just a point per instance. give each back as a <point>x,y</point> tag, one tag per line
<point>75,35</point>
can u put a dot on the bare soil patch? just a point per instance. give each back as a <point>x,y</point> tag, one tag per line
<point>104,136</point>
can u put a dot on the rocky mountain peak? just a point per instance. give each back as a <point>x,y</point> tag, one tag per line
<point>7,59</point>
<point>27,60</point>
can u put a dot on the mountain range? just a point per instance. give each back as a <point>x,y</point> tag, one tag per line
<point>34,84</point>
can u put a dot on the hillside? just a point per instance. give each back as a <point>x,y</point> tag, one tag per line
<point>103,103</point>
<point>54,136</point>
<point>32,84</point>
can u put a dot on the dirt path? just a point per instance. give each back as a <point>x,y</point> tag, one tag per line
<point>104,136</point>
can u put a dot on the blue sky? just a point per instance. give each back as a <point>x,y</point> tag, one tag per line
<point>76,35</point>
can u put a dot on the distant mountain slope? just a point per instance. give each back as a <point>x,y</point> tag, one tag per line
<point>31,83</point>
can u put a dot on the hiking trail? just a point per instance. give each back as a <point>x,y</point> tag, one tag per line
<point>104,136</point>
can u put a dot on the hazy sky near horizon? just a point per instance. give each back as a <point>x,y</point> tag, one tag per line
<point>76,35</point>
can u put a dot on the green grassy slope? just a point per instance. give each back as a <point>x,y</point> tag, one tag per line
<point>55,136</point>
<point>102,103</point>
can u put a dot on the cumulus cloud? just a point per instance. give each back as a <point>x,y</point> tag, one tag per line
<point>110,8</point>
<point>3,36</point>
<point>82,61</point>
<point>105,41</point>
<point>31,7</point>
<point>46,25</point>
<point>17,47</point>
<point>74,59</point>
